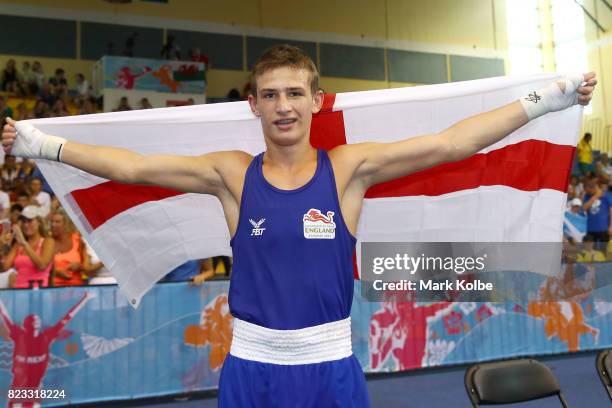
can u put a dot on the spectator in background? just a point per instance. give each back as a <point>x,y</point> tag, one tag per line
<point>589,253</point>
<point>28,79</point>
<point>59,109</point>
<point>23,112</point>
<point>145,104</point>
<point>128,51</point>
<point>196,271</point>
<point>575,206</point>
<point>9,81</point>
<point>5,203</point>
<point>574,221</point>
<point>233,95</point>
<point>598,208</point>
<point>575,188</point>
<point>170,50</point>
<point>39,74</point>
<point>82,90</point>
<point>88,107</point>
<point>5,111</point>
<point>15,213</point>
<point>95,269</point>
<point>45,186</point>
<point>40,198</point>
<point>603,168</point>
<point>110,48</point>
<point>9,172</point>
<point>123,105</point>
<point>26,171</point>
<point>190,101</point>
<point>7,277</point>
<point>32,253</point>
<point>41,109</point>
<point>585,155</point>
<point>46,95</point>
<point>69,255</point>
<point>196,55</point>
<point>23,199</point>
<point>59,83</point>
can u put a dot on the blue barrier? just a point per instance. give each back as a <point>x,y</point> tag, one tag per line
<point>176,341</point>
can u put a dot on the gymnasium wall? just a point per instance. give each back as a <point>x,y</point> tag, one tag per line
<point>358,44</point>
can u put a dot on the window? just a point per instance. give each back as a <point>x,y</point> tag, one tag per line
<point>524,50</point>
<point>569,38</point>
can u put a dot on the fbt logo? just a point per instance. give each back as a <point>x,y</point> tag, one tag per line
<point>257,228</point>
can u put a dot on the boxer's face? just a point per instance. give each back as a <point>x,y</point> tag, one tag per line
<point>285,104</point>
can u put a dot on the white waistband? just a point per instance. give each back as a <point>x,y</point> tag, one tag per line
<point>316,344</point>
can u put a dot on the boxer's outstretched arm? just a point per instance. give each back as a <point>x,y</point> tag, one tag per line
<point>198,174</point>
<point>380,162</point>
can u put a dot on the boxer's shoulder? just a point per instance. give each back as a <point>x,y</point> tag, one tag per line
<point>231,166</point>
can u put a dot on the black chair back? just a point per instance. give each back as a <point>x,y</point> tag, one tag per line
<point>508,382</point>
<point>604,369</point>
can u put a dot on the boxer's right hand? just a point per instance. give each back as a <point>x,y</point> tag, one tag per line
<point>24,140</point>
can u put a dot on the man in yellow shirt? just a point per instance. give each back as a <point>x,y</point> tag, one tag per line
<point>585,155</point>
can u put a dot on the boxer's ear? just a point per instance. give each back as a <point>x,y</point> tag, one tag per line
<point>253,105</point>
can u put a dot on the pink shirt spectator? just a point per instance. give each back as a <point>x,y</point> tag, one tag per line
<point>28,272</point>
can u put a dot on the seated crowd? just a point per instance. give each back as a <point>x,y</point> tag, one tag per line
<point>40,247</point>
<point>589,205</point>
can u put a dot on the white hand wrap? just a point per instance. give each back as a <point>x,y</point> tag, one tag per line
<point>34,144</point>
<point>551,98</point>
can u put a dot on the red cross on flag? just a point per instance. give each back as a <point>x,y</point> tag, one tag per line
<point>513,191</point>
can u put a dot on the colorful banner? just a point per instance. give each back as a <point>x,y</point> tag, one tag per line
<point>154,75</point>
<point>91,344</point>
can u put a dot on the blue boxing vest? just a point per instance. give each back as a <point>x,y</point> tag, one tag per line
<point>292,269</point>
<point>293,254</point>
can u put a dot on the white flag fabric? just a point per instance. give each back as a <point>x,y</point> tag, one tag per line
<point>513,191</point>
